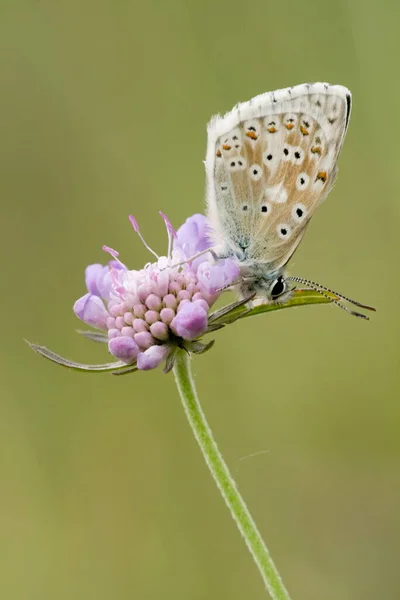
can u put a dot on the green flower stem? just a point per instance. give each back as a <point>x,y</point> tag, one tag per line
<point>223,478</point>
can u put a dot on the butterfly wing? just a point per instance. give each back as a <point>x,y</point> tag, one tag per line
<point>270,162</point>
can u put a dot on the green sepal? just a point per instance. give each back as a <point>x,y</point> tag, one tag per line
<point>130,369</point>
<point>70,364</point>
<point>198,347</point>
<point>94,336</point>
<point>169,363</point>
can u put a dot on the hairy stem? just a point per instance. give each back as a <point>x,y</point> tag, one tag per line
<point>224,480</point>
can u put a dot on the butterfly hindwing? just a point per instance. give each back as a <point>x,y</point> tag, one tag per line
<point>270,163</point>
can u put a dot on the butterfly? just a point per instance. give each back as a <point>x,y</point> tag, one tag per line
<point>270,163</point>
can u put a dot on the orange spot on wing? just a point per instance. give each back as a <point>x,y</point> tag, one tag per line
<point>252,135</point>
<point>316,150</point>
<point>289,126</point>
<point>272,129</point>
<point>322,176</point>
<point>219,153</point>
<point>304,130</point>
<point>226,147</point>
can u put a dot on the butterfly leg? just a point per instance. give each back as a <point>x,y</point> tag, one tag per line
<point>222,312</point>
<point>229,286</point>
<point>188,260</point>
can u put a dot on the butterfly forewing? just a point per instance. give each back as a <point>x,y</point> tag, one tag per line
<point>270,163</point>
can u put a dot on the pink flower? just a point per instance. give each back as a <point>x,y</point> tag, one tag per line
<point>149,312</point>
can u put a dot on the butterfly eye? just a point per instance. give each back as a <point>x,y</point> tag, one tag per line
<point>278,288</point>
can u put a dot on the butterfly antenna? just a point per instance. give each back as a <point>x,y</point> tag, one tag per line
<point>317,286</point>
<point>320,289</point>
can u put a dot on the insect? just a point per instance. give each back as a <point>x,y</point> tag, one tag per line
<point>270,163</point>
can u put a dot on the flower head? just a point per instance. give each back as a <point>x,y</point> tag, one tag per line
<point>147,313</point>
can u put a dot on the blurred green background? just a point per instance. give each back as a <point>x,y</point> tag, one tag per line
<point>103,493</point>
